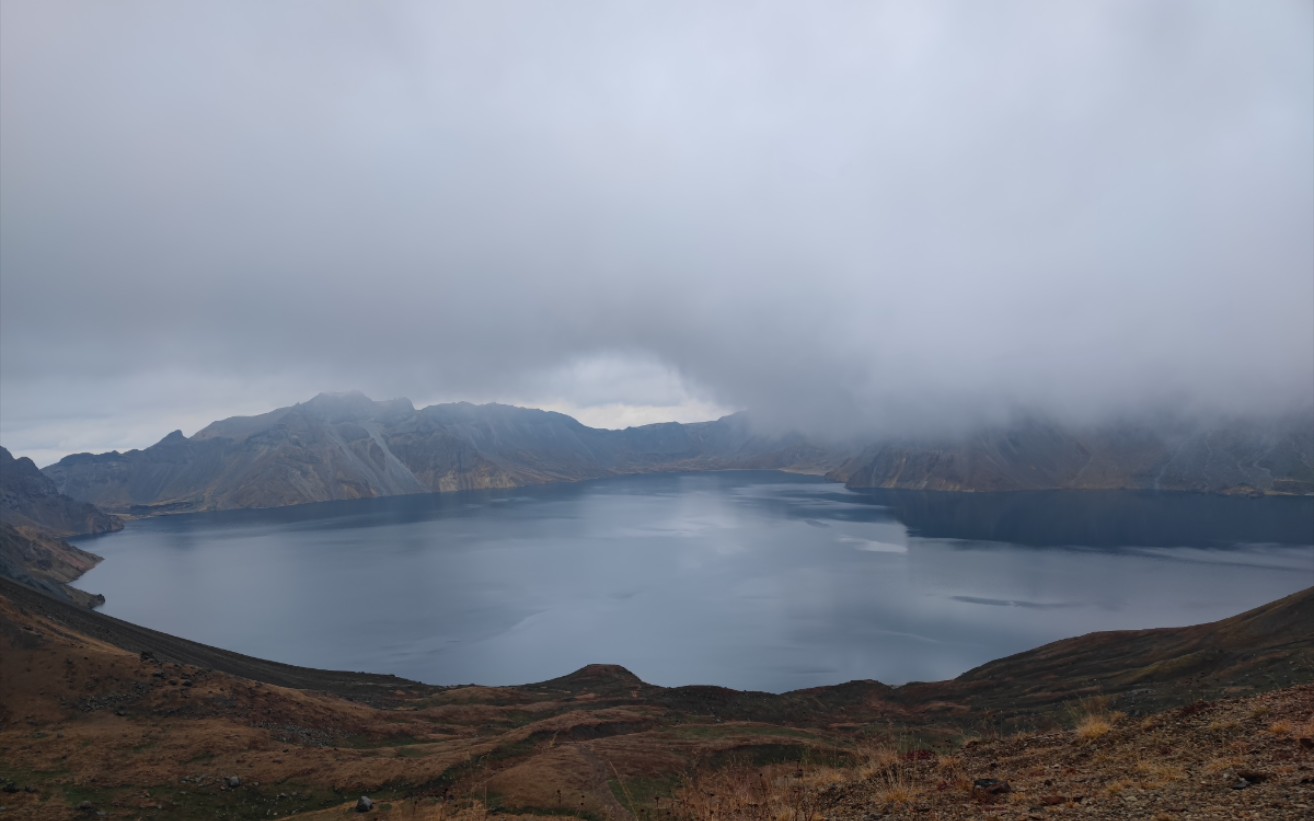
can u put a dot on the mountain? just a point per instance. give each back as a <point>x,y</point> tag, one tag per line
<point>29,499</point>
<point>1247,457</point>
<point>100,715</point>
<point>347,446</point>
<point>34,519</point>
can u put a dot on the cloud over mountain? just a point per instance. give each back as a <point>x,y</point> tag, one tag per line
<point>844,216</point>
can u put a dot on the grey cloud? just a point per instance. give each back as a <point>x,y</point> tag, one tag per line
<point>849,216</point>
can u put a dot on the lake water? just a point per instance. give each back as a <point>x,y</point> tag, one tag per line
<point>753,580</point>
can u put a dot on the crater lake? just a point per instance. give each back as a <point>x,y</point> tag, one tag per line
<point>746,579</point>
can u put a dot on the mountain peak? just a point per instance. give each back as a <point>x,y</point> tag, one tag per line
<point>338,399</point>
<point>354,405</point>
<point>173,438</point>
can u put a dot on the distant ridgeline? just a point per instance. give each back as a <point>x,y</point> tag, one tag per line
<point>1245,457</point>
<point>350,447</point>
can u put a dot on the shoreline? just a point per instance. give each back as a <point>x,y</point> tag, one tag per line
<point>141,512</point>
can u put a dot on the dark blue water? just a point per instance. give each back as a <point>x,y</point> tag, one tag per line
<point>754,580</point>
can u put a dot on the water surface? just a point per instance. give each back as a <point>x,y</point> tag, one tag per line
<point>753,580</point>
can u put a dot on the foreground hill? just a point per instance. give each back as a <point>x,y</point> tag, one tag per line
<point>1235,759</point>
<point>35,518</point>
<point>350,447</point>
<point>114,718</point>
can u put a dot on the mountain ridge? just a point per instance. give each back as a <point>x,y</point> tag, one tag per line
<point>348,446</point>
<point>1274,455</point>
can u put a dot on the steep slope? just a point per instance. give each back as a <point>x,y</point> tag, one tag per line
<point>350,447</point>
<point>46,563</point>
<point>34,518</point>
<point>28,498</point>
<point>1274,455</point>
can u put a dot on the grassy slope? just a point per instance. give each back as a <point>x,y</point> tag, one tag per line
<point>85,717</point>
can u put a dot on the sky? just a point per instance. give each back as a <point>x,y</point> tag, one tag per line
<point>846,217</point>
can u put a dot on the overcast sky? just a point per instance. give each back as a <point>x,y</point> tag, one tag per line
<point>841,215</point>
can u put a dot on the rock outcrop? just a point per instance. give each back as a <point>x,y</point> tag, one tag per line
<point>46,563</point>
<point>29,499</point>
<point>34,519</point>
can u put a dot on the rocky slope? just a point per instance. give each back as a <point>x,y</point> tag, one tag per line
<point>28,498</point>
<point>116,719</point>
<point>34,519</point>
<point>1236,759</point>
<point>350,447</point>
<point>1274,455</point>
<point>45,563</point>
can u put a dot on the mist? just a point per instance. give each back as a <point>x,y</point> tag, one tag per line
<point>848,218</point>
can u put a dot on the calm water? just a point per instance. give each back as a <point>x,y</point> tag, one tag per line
<point>746,579</point>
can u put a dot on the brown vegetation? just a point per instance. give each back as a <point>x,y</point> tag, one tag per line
<point>1173,765</point>
<point>101,714</point>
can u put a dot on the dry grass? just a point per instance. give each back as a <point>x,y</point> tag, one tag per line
<point>1094,727</point>
<point>898,783</point>
<point>877,762</point>
<point>900,794</point>
<point>1305,731</point>
<point>1222,764</point>
<point>1093,719</point>
<point>781,792</point>
<point>1281,727</point>
<point>1223,726</point>
<point>1156,773</point>
<point>1171,767</point>
<point>1119,786</point>
<point>796,792</point>
<point>419,809</point>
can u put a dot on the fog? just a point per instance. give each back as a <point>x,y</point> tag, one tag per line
<point>845,217</point>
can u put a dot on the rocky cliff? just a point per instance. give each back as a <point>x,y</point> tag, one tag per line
<point>350,447</point>
<point>28,498</point>
<point>1270,456</point>
<point>34,519</point>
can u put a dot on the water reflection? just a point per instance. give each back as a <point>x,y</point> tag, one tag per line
<point>750,580</point>
<point>1102,519</point>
